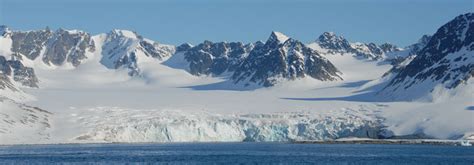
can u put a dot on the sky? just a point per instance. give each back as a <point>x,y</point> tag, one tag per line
<point>400,22</point>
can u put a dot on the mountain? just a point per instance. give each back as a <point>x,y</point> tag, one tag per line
<point>210,58</point>
<point>29,43</point>
<point>446,62</point>
<point>283,58</point>
<point>68,46</point>
<point>126,49</point>
<point>333,43</point>
<point>280,57</point>
<point>15,70</point>
<point>388,47</point>
<point>53,48</point>
<point>329,43</point>
<point>86,99</point>
<point>417,47</point>
<point>120,48</point>
<point>401,57</point>
<point>183,47</point>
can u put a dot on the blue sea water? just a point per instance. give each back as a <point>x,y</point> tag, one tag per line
<point>235,153</point>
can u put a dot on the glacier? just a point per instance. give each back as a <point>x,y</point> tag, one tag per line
<point>163,101</point>
<point>114,124</point>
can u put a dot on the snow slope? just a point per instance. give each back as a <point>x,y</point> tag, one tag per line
<point>97,101</point>
<point>20,123</point>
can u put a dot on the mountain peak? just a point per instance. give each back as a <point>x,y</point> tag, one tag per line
<point>278,36</point>
<point>124,33</point>
<point>330,37</point>
<point>329,34</point>
<point>184,47</point>
<point>329,40</point>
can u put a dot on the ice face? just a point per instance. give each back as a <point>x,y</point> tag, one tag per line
<point>111,124</point>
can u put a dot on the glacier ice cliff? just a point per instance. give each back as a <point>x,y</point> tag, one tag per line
<point>112,124</point>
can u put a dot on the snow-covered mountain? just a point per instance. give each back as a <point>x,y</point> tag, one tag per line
<point>261,64</point>
<point>52,48</point>
<point>445,63</point>
<point>282,57</point>
<point>333,44</point>
<point>67,47</point>
<point>210,58</point>
<point>127,49</point>
<point>16,71</point>
<point>330,43</point>
<point>62,48</point>
<point>417,47</point>
<point>29,43</point>
<point>327,89</point>
<point>400,56</point>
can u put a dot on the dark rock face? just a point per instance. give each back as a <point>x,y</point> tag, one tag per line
<point>24,75</point>
<point>30,43</point>
<point>210,58</point>
<point>59,47</point>
<point>387,47</point>
<point>339,45</point>
<point>448,57</point>
<point>334,43</point>
<point>260,63</point>
<point>155,50</point>
<point>65,46</point>
<point>183,47</point>
<point>368,51</point>
<point>277,59</point>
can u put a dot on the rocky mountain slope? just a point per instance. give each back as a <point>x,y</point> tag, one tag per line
<point>126,49</point>
<point>446,62</point>
<point>210,58</point>
<point>330,43</point>
<point>283,58</point>
<point>321,91</point>
<point>15,70</point>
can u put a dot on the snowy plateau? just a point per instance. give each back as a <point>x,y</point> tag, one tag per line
<point>68,86</point>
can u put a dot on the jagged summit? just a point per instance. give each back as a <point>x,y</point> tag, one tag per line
<point>209,58</point>
<point>278,37</point>
<point>272,62</point>
<point>123,33</point>
<point>329,36</point>
<point>334,43</point>
<point>183,47</point>
<point>126,49</point>
<point>68,46</point>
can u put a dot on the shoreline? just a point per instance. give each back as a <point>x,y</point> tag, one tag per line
<point>387,141</point>
<point>336,141</point>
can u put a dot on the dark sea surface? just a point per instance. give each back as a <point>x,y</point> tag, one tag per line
<point>235,153</point>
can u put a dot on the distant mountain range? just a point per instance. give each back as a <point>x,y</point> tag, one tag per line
<point>59,64</point>
<point>444,58</point>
